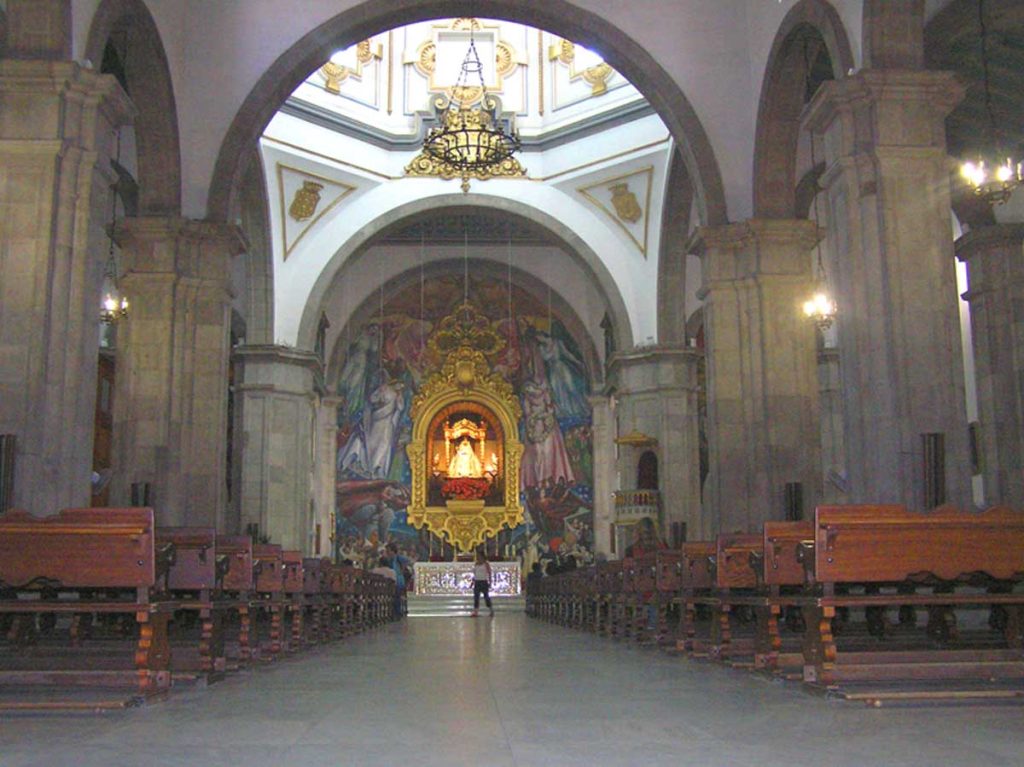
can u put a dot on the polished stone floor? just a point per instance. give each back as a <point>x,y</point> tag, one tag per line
<point>508,691</point>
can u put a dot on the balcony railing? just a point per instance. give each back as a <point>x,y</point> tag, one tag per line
<point>633,505</point>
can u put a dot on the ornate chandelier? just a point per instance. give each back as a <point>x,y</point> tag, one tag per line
<point>992,178</point>
<point>471,139</point>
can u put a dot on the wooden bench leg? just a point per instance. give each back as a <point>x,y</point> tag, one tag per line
<point>244,634</point>
<point>721,632</point>
<point>153,653</point>
<point>769,641</point>
<point>819,645</point>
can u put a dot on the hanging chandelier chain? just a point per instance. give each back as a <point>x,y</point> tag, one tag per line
<point>983,32</point>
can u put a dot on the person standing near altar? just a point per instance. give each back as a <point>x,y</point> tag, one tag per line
<point>481,582</point>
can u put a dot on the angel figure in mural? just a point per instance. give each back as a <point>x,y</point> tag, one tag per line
<point>545,457</point>
<point>567,376</point>
<point>465,462</point>
<point>386,406</point>
<point>352,382</point>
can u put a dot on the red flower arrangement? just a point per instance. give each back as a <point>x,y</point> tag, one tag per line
<point>466,488</point>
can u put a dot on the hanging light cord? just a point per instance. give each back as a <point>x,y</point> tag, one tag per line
<point>983,31</point>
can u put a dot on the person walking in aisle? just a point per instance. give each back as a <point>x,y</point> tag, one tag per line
<point>481,582</point>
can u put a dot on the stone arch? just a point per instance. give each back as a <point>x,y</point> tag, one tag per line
<point>571,242</point>
<point>151,91</point>
<point>561,308</point>
<point>783,99</point>
<point>675,227</point>
<point>561,16</point>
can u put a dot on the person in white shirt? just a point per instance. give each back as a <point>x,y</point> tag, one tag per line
<point>481,582</point>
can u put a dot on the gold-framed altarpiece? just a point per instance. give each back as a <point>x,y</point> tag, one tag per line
<point>465,400</point>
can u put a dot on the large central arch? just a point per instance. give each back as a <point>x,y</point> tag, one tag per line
<point>570,240</point>
<point>373,16</point>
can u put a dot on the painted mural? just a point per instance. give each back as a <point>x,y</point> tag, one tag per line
<point>386,359</point>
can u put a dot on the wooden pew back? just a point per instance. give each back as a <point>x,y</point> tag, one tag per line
<point>291,562</point>
<point>732,560</point>
<point>238,551</point>
<point>268,567</point>
<point>780,565</point>
<point>195,564</point>
<point>670,569</point>
<point>889,544</point>
<point>314,576</point>
<point>79,548</point>
<point>696,572</point>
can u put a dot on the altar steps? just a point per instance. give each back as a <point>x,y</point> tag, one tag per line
<point>460,606</point>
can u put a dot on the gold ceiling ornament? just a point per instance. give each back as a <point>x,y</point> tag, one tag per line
<point>626,205</point>
<point>596,76</point>
<point>306,198</point>
<point>335,74</point>
<point>506,59</point>
<point>426,164</point>
<point>465,381</point>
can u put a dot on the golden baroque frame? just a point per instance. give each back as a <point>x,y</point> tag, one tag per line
<point>465,377</point>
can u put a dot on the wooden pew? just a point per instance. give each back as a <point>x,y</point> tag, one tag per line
<point>695,588</point>
<point>238,587</point>
<point>668,581</point>
<point>108,559</point>
<point>735,586</point>
<point>295,598</point>
<point>194,581</point>
<point>316,590</point>
<point>964,559</point>
<point>268,569</point>
<point>780,575</point>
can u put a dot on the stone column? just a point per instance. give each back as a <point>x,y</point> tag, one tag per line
<point>325,461</point>
<point>833,443</point>
<point>277,405</point>
<point>56,131</point>
<point>762,388</point>
<point>995,263</point>
<point>602,439</point>
<point>656,389</point>
<point>887,184</point>
<point>170,403</point>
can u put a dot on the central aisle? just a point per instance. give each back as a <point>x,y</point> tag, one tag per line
<point>506,691</point>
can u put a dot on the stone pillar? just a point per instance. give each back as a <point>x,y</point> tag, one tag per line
<point>656,389</point>
<point>277,405</point>
<point>325,479</point>
<point>603,440</point>
<point>39,29</point>
<point>56,131</point>
<point>762,388</point>
<point>887,184</point>
<point>170,403</point>
<point>995,263</point>
<point>833,442</point>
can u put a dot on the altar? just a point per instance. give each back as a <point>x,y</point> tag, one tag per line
<point>443,579</point>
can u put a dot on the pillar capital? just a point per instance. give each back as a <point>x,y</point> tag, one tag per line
<point>987,239</point>
<point>756,248</point>
<point>179,246</point>
<point>884,108</point>
<point>271,367</point>
<point>69,102</point>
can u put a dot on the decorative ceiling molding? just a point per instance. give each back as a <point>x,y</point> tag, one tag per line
<point>335,74</point>
<point>325,118</point>
<point>619,198</point>
<point>304,199</point>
